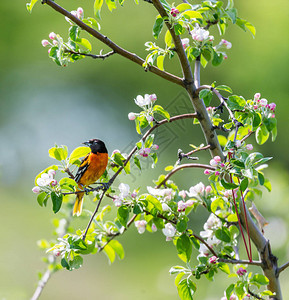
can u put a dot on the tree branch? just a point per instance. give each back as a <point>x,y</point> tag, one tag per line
<point>101,56</point>
<point>186,68</point>
<point>117,49</point>
<point>184,167</point>
<point>242,262</point>
<point>283,267</point>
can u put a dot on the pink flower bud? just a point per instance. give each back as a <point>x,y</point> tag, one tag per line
<point>272,106</point>
<point>255,107</point>
<point>241,271</point>
<point>257,96</point>
<point>213,260</point>
<point>174,12</point>
<point>249,147</point>
<point>80,11</point>
<point>153,97</point>
<point>155,147</point>
<point>154,227</point>
<point>222,165</point>
<point>55,43</point>
<point>207,172</point>
<point>131,116</point>
<point>190,203</point>
<point>272,116</point>
<point>115,151</point>
<point>225,56</point>
<point>44,43</point>
<point>49,50</point>
<point>213,163</point>
<point>134,194</point>
<point>74,13</point>
<point>227,44</point>
<point>53,182</point>
<point>208,189</point>
<point>217,159</point>
<point>211,38</point>
<point>181,206</point>
<point>217,173</point>
<point>36,190</point>
<point>52,35</point>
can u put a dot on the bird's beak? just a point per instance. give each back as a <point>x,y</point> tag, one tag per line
<point>86,143</point>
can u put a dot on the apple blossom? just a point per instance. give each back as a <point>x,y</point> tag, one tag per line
<point>241,271</point>
<point>154,227</point>
<point>227,44</point>
<point>80,12</point>
<point>263,102</point>
<point>213,259</point>
<point>117,201</point>
<point>149,118</point>
<point>165,207</point>
<point>272,106</point>
<point>249,147</point>
<point>199,34</point>
<point>208,189</point>
<point>45,43</point>
<point>181,206</point>
<point>207,172</point>
<point>142,101</point>
<point>196,190</point>
<point>182,194</point>
<point>155,147</point>
<point>153,97</point>
<point>169,230</point>
<point>36,190</point>
<point>131,116</point>
<point>213,163</point>
<point>174,12</point>
<point>190,203</point>
<point>185,43</point>
<point>53,182</point>
<point>51,173</point>
<point>134,194</point>
<point>52,35</point>
<point>141,226</point>
<point>257,96</point>
<point>124,190</point>
<point>159,192</point>
<point>217,173</point>
<point>238,144</point>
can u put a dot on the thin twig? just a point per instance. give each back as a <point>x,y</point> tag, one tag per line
<point>241,262</point>
<point>197,72</point>
<point>117,234</point>
<point>205,243</point>
<point>184,166</point>
<point>100,56</point>
<point>282,268</point>
<point>196,150</point>
<point>105,40</point>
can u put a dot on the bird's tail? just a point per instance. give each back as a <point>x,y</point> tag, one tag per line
<point>77,209</point>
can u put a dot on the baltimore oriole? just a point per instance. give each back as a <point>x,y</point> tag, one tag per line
<point>90,169</point>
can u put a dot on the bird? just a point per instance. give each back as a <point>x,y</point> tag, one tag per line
<point>91,168</point>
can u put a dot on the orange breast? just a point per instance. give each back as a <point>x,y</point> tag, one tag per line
<point>96,166</point>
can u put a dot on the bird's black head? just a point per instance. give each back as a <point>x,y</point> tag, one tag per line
<point>96,146</point>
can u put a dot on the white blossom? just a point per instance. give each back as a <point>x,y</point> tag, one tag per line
<point>141,226</point>
<point>143,101</point>
<point>124,190</point>
<point>199,34</point>
<point>196,190</point>
<point>159,192</point>
<point>169,230</point>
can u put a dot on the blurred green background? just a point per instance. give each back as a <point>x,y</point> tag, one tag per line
<point>43,104</point>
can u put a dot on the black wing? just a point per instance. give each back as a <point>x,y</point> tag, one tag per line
<point>82,168</point>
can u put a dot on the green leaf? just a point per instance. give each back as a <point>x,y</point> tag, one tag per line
<point>184,6</point>
<point>178,278</point>
<point>159,110</point>
<point>41,198</point>
<point>245,25</point>
<point>137,162</point>
<point>97,8</point>
<point>274,133</point>
<point>223,234</point>
<point>118,158</point>
<point>182,225</point>
<point>158,26</point>
<point>118,248</point>
<point>84,42</point>
<point>224,88</point>
<point>178,29</point>
<point>206,95</point>
<point>76,263</point>
<point>267,185</point>
<point>56,201</point>
<point>186,289</point>
<point>30,5</point>
<point>230,290</point>
<point>59,153</point>
<point>184,247</point>
<point>78,153</point>
<point>244,184</point>
<point>165,5</point>
<point>228,185</point>
<point>224,267</point>
<point>257,119</point>
<point>192,14</point>
<point>262,134</point>
<point>160,62</point>
<point>156,203</point>
<point>176,269</point>
<point>110,253</point>
<point>111,4</point>
<point>259,279</point>
<point>65,264</point>
<point>236,102</point>
<point>217,59</point>
<point>270,123</point>
<point>123,215</point>
<point>67,183</point>
<point>168,39</point>
<point>261,178</point>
